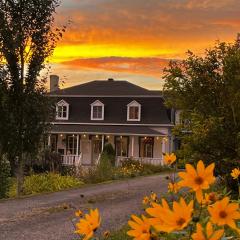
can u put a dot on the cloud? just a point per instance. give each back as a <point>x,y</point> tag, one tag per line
<point>144,66</point>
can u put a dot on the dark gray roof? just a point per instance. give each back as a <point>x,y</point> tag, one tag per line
<point>107,88</point>
<point>117,130</point>
<point>153,110</point>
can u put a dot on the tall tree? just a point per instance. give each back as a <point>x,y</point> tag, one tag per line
<point>207,90</point>
<point>27,39</point>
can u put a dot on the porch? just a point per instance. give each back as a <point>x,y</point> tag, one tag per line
<point>83,144</point>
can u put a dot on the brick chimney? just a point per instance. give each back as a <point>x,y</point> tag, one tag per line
<point>54,83</point>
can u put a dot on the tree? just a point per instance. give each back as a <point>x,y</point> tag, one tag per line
<point>27,39</point>
<point>207,90</point>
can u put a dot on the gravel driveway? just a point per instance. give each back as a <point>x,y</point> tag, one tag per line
<point>50,216</point>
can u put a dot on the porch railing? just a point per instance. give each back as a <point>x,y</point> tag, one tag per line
<point>71,160</point>
<point>143,160</point>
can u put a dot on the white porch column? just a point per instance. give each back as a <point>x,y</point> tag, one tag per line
<point>164,145</point>
<point>77,145</point>
<point>49,140</point>
<point>102,142</point>
<point>132,138</point>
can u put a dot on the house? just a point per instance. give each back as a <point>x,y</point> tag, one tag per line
<point>133,119</point>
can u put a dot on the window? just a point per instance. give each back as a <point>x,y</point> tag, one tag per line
<point>97,110</point>
<point>121,146</point>
<point>134,111</point>
<point>72,144</point>
<point>62,110</point>
<point>146,147</point>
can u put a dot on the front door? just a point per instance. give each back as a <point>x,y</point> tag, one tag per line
<point>96,149</point>
<point>86,152</point>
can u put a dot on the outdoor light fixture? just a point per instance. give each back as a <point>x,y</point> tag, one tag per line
<point>61,135</point>
<point>84,135</point>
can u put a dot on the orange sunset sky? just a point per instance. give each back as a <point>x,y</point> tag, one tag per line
<point>134,39</point>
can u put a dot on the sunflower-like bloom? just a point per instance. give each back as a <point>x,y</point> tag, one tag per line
<point>78,213</point>
<point>167,220</point>
<point>197,179</point>
<point>224,213</point>
<point>140,228</point>
<point>209,198</point>
<point>145,200</point>
<point>235,173</point>
<point>209,235</point>
<point>169,158</point>
<point>89,224</point>
<point>153,196</point>
<point>173,187</point>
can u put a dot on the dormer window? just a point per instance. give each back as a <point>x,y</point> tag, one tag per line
<point>134,111</point>
<point>62,110</point>
<point>97,110</point>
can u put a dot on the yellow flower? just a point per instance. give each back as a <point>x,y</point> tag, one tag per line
<point>209,198</point>
<point>140,228</point>
<point>197,179</point>
<point>145,200</point>
<point>235,173</point>
<point>210,234</point>
<point>106,234</point>
<point>169,158</point>
<point>224,213</point>
<point>167,220</point>
<point>173,187</point>
<point>153,196</point>
<point>78,213</point>
<point>89,224</point>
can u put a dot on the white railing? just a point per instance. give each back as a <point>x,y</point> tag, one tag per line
<point>143,160</point>
<point>71,160</point>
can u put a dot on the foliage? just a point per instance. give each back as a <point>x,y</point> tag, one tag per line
<point>110,152</point>
<point>194,213</point>
<point>129,168</point>
<point>27,39</point>
<point>102,172</point>
<point>43,183</point>
<point>4,176</point>
<point>206,90</point>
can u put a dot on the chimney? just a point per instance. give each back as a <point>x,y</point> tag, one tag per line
<point>54,83</point>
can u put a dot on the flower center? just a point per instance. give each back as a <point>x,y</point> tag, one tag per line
<point>198,180</point>
<point>180,221</point>
<point>222,214</point>
<point>212,197</point>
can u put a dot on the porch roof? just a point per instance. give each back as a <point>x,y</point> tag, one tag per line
<point>105,129</point>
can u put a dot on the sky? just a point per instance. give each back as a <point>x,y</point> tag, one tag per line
<point>135,39</point>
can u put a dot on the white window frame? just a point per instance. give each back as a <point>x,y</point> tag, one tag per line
<point>62,103</point>
<point>134,104</point>
<point>97,103</point>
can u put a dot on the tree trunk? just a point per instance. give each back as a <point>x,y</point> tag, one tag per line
<point>20,176</point>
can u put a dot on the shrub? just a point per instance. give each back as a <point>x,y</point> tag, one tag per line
<point>43,183</point>
<point>102,172</point>
<point>110,152</point>
<point>4,176</point>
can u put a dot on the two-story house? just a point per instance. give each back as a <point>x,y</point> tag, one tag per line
<point>133,119</point>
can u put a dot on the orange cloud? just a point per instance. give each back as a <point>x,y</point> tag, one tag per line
<point>143,66</point>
